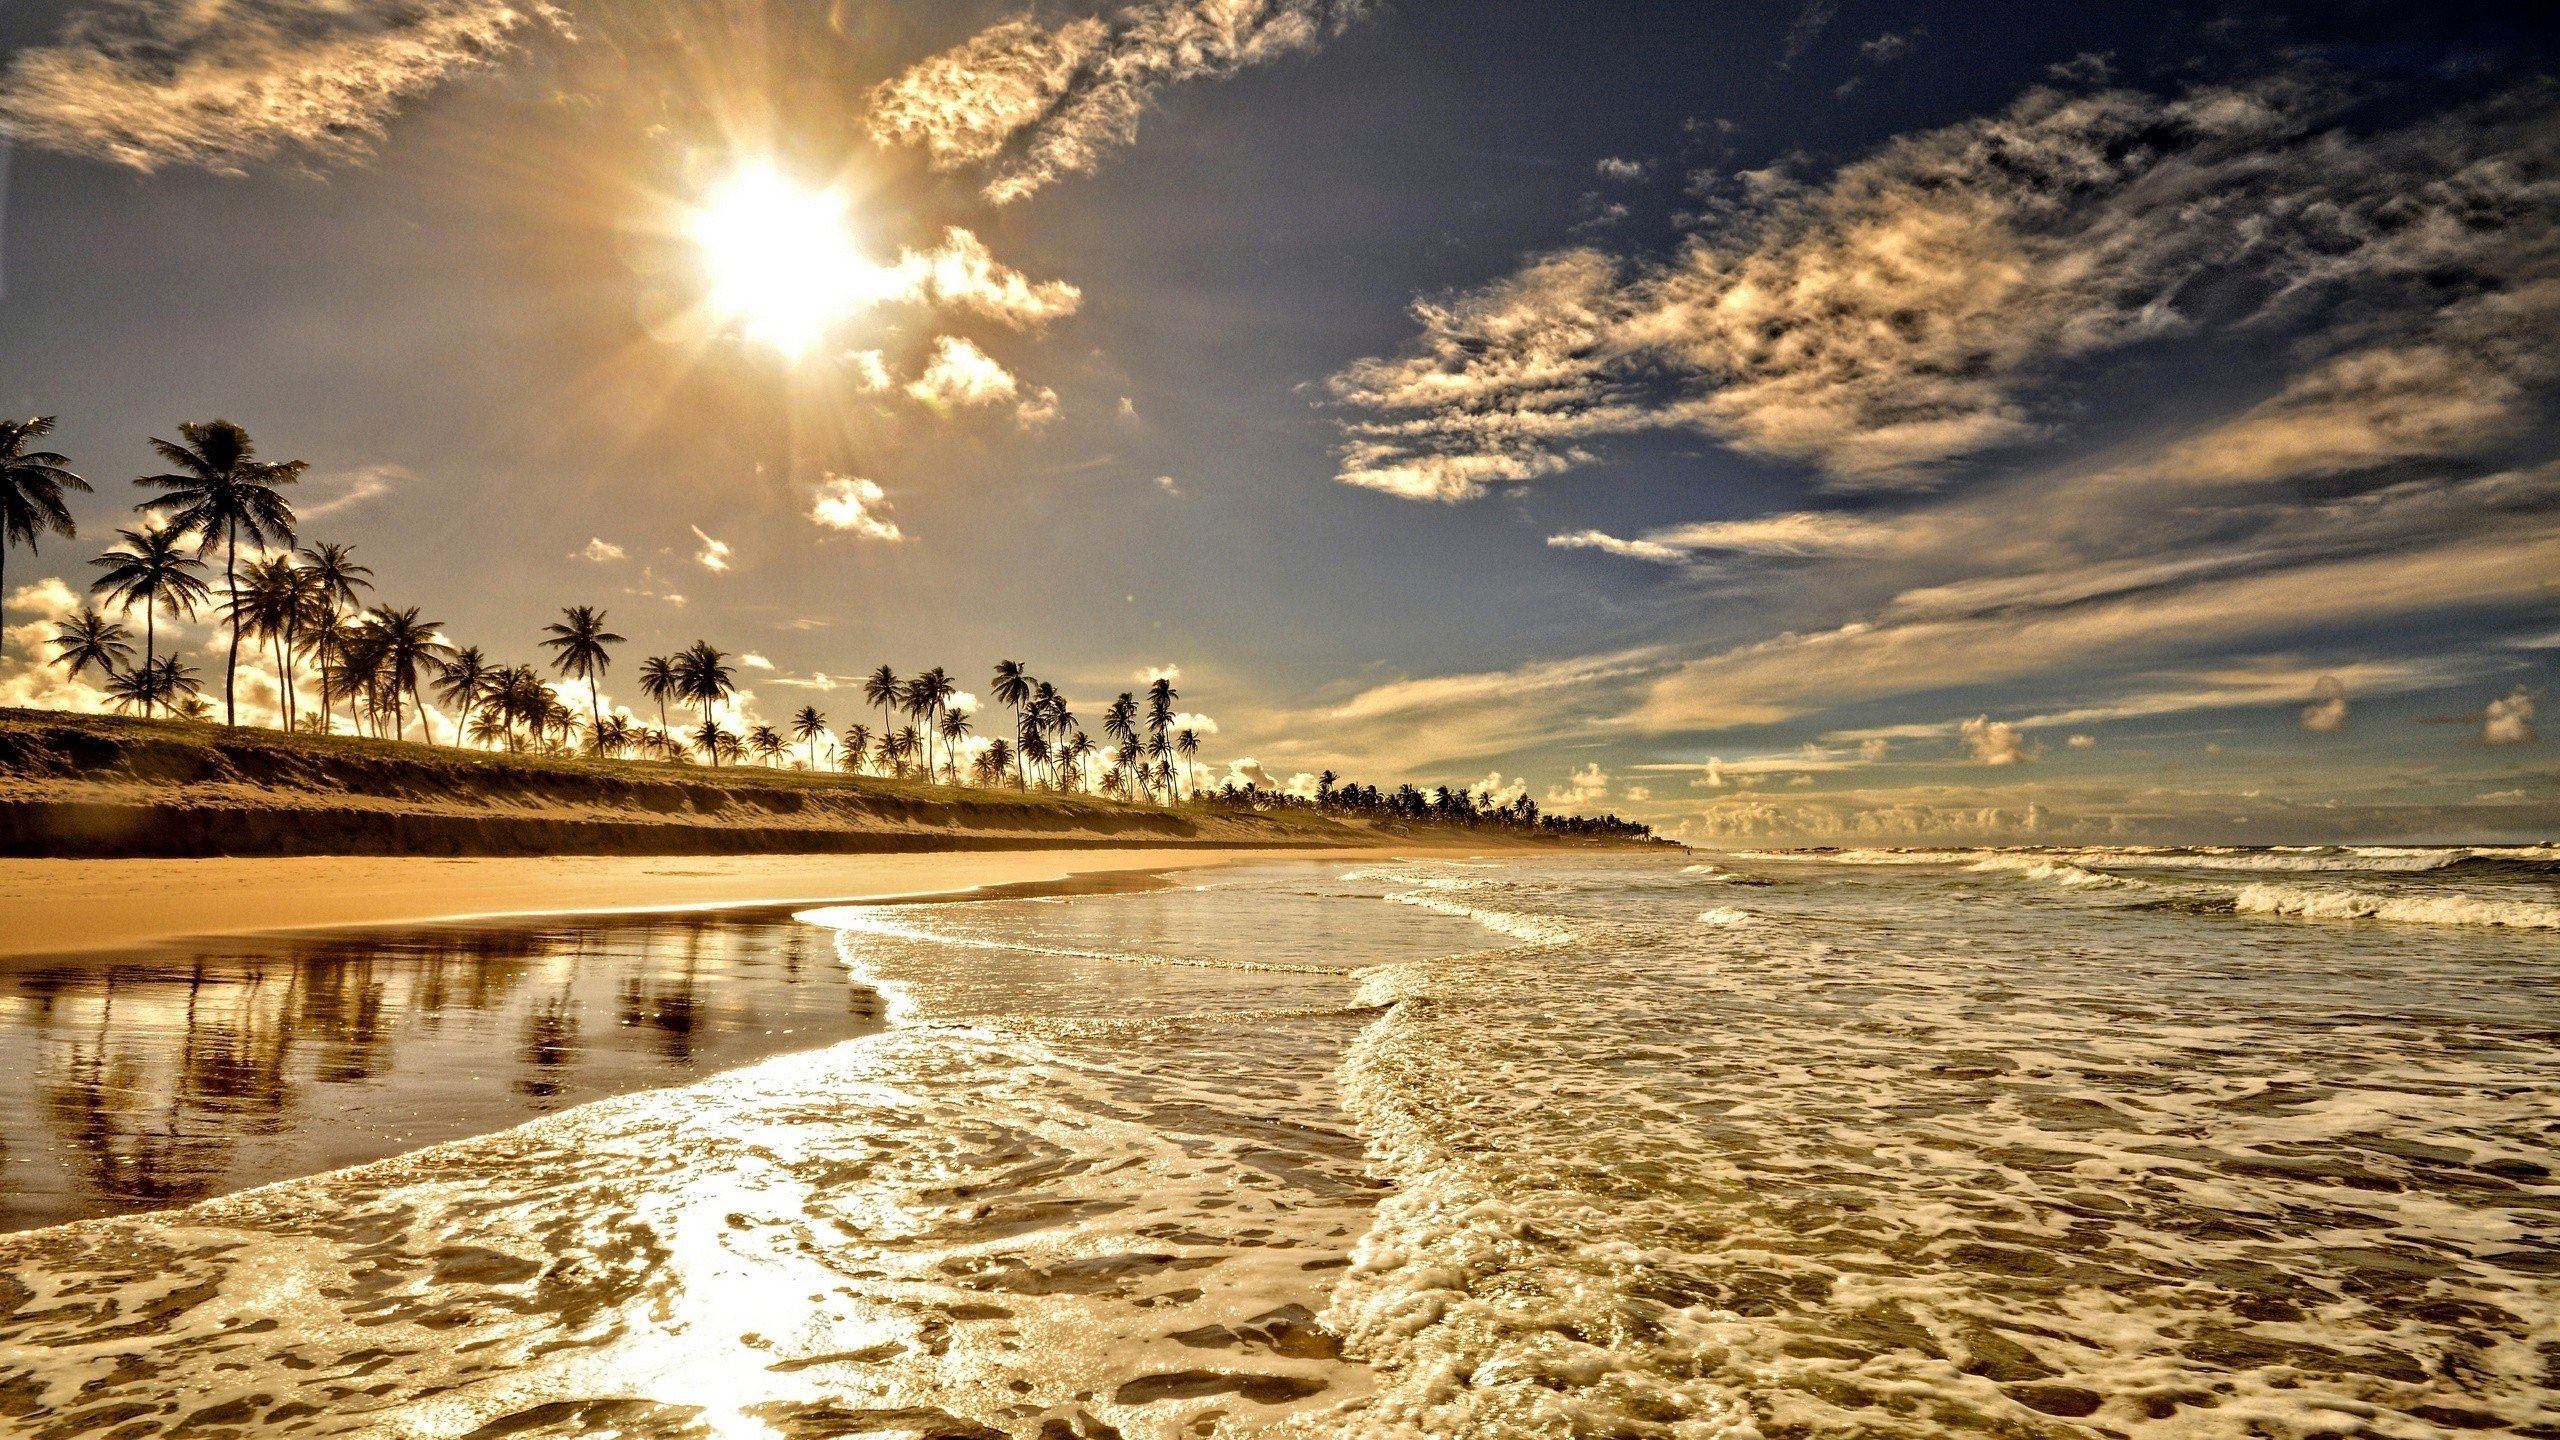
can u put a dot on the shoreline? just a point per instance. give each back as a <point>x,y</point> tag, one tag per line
<point>74,907</point>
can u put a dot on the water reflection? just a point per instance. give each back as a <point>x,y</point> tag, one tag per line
<point>167,1076</point>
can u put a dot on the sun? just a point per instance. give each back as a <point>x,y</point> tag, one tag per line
<point>779,257</point>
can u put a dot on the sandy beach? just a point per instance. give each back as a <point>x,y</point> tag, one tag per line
<point>64,906</point>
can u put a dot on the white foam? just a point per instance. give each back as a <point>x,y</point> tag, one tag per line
<point>2448,909</point>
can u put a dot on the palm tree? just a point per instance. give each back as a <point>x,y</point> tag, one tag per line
<point>409,649</point>
<point>151,571</point>
<point>31,486</point>
<point>220,491</point>
<point>1012,689</point>
<point>1187,745</point>
<point>955,732</point>
<point>358,646</point>
<point>584,650</point>
<point>335,578</point>
<point>857,748</point>
<point>613,737</point>
<point>658,681</point>
<point>900,749</point>
<point>135,689</point>
<point>717,743</point>
<point>169,683</point>
<point>995,762</point>
<point>809,725</point>
<point>766,742</point>
<point>703,677</point>
<point>464,682</point>
<point>1120,727</point>
<point>269,602</point>
<point>90,638</point>
<point>926,695</point>
<point>1079,748</point>
<point>881,688</point>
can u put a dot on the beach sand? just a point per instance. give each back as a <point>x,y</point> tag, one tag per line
<point>62,906</point>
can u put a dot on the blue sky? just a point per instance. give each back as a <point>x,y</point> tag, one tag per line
<point>1820,423</point>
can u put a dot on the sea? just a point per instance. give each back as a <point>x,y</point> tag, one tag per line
<point>1680,1144</point>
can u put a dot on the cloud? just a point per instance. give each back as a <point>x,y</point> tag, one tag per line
<point>1807,27</point>
<point>1586,786</point>
<point>1029,103</point>
<point>222,83</point>
<point>1996,742</point>
<point>869,370</point>
<point>2509,721</point>
<point>1154,673</point>
<point>1799,533</point>
<point>1196,723</point>
<point>1932,301</point>
<point>1494,792</point>
<point>1625,171</point>
<point>854,506</point>
<point>2327,712</point>
<point>1165,484</point>
<point>1038,408</point>
<point>354,487</point>
<point>2082,742</point>
<point>1892,45</point>
<point>960,376</point>
<point>754,661</point>
<point>597,550</point>
<point>962,274</point>
<point>714,554</point>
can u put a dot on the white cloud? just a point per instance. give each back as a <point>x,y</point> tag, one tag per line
<point>1586,786</point>
<point>1996,742</point>
<point>870,371</point>
<point>714,554</point>
<point>855,506</point>
<point>1614,168</point>
<point>2509,721</point>
<point>1924,304</point>
<point>1154,673</point>
<point>221,83</point>
<point>959,375</point>
<point>1038,408</point>
<point>961,273</point>
<point>1194,722</point>
<point>2327,712</point>
<point>1165,484</point>
<point>2082,742</point>
<point>598,550</point>
<point>1030,103</point>
<point>353,487</point>
<point>754,661</point>
<point>1494,792</point>
<point>1891,45</point>
<point>1807,27</point>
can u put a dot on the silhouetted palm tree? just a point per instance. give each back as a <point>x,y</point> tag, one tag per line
<point>31,486</point>
<point>463,683</point>
<point>703,677</point>
<point>1120,727</point>
<point>272,600</point>
<point>857,748</point>
<point>410,650</point>
<point>809,726</point>
<point>220,491</point>
<point>169,684</point>
<point>717,743</point>
<point>1187,745</point>
<point>582,647</point>
<point>91,639</point>
<point>1012,689</point>
<point>881,688</point>
<point>658,682</point>
<point>900,749</point>
<point>926,695</point>
<point>766,742</point>
<point>336,580</point>
<point>151,571</point>
<point>955,733</point>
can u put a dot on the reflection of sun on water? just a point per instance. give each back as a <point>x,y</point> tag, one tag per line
<point>780,257</point>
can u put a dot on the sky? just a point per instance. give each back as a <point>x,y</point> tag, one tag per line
<point>1805,423</point>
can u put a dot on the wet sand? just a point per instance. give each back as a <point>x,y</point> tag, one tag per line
<point>64,906</point>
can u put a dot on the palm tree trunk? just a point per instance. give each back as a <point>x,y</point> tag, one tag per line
<point>595,711</point>
<point>150,636</point>
<point>231,667</point>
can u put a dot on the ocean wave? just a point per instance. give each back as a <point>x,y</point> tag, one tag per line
<point>1726,915</point>
<point>2449,909</point>
<point>2059,872</point>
